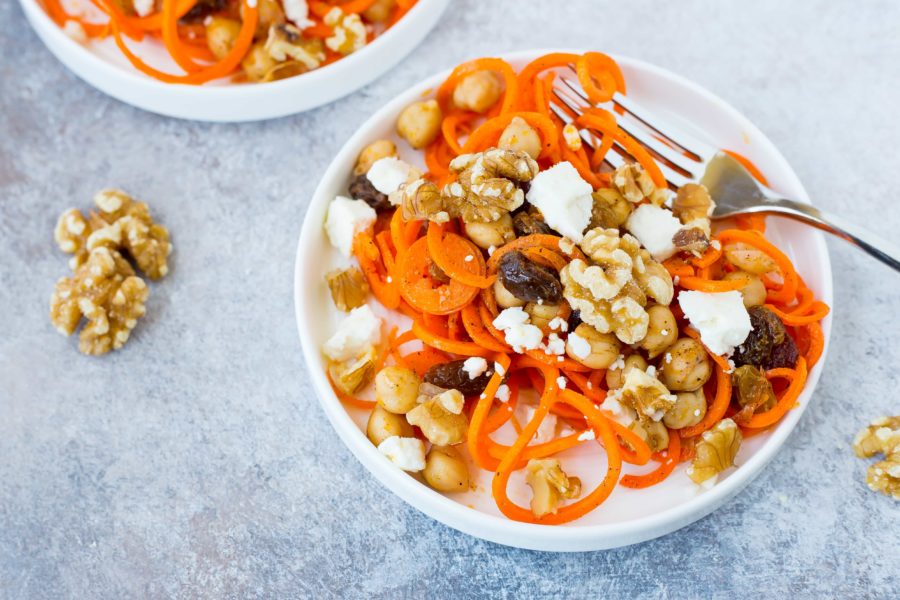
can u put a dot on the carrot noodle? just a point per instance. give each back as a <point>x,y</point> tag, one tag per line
<point>444,283</point>
<point>164,26</point>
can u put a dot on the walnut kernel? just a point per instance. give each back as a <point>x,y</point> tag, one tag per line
<point>715,451</point>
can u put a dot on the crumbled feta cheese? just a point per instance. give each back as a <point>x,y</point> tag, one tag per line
<point>567,246</point>
<point>554,345</point>
<point>359,330</point>
<point>716,244</point>
<point>491,250</point>
<point>406,453</point>
<point>345,218</point>
<point>676,280</point>
<point>563,198</point>
<point>475,366</point>
<point>622,414</point>
<point>546,431</point>
<point>558,324</point>
<point>502,393</point>
<point>519,334</point>
<point>297,11</point>
<point>578,346</point>
<point>587,435</point>
<point>654,227</point>
<point>619,363</point>
<point>143,7</point>
<point>664,332</point>
<point>721,318</point>
<point>388,174</point>
<point>668,358</point>
<point>499,369</point>
<point>561,382</point>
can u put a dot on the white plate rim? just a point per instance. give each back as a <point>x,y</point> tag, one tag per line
<point>407,33</point>
<point>499,529</point>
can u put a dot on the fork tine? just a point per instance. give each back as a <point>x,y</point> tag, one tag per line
<point>671,134</point>
<point>617,158</point>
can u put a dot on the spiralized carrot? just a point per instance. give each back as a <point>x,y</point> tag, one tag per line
<point>445,284</point>
<point>197,62</point>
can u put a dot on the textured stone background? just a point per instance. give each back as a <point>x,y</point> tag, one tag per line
<point>197,463</point>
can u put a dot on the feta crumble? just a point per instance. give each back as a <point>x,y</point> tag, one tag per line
<point>554,346</point>
<point>561,382</point>
<point>297,11</point>
<point>517,331</point>
<point>502,393</point>
<point>558,324</point>
<point>475,366</point>
<point>587,435</point>
<point>345,218</point>
<point>407,453</point>
<point>563,198</point>
<point>721,318</point>
<point>359,330</point>
<point>388,174</point>
<point>143,7</point>
<point>654,227</point>
<point>578,346</point>
<point>499,369</point>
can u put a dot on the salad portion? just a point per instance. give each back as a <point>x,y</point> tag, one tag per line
<point>545,294</point>
<point>247,40</point>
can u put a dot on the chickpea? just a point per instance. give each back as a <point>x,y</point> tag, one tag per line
<point>379,11</point>
<point>269,13</point>
<point>604,348</point>
<point>688,368</point>
<point>257,63</point>
<point>522,137</point>
<point>384,424</point>
<point>689,409</point>
<point>420,123</point>
<point>662,330</point>
<point>504,297</point>
<point>396,389</point>
<point>542,314</point>
<point>445,470</point>
<point>754,292</point>
<point>221,34</point>
<point>747,258</point>
<point>654,433</point>
<point>615,378</point>
<point>495,233</point>
<point>478,91</point>
<point>373,152</point>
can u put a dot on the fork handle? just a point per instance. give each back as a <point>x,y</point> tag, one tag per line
<point>885,251</point>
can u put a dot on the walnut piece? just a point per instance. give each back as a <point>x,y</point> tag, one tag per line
<point>610,209</point>
<point>549,485</point>
<point>287,42</point>
<point>354,375</point>
<point>349,31</point>
<point>420,200</point>
<point>646,394</point>
<point>715,451</point>
<point>105,291</point>
<point>348,287</point>
<point>635,184</point>
<point>121,224</point>
<point>882,436</point>
<point>611,293</point>
<point>694,206</point>
<point>485,189</point>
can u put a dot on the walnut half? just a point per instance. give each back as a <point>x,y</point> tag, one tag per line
<point>715,451</point>
<point>105,291</point>
<point>549,484</point>
<point>882,436</point>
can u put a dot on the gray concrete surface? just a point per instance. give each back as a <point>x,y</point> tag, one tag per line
<point>197,463</point>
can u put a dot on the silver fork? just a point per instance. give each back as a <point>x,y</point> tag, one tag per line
<point>684,158</point>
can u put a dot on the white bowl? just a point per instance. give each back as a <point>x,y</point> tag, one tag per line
<point>628,516</point>
<point>101,64</point>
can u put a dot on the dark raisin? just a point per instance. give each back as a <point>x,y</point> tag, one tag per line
<point>574,319</point>
<point>784,355</point>
<point>527,223</point>
<point>201,10</point>
<point>362,189</point>
<point>451,375</point>
<point>529,281</point>
<point>768,342</point>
